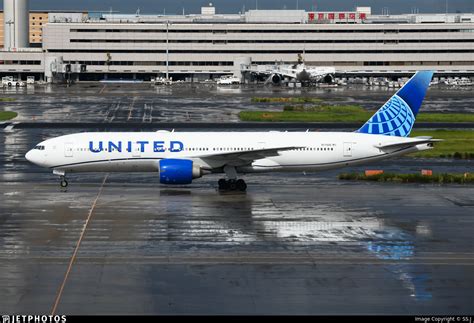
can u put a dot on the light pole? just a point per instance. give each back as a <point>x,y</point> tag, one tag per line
<point>167,51</point>
<point>10,23</point>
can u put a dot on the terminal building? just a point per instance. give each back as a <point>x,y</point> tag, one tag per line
<point>206,45</point>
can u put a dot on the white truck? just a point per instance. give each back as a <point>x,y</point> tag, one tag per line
<point>228,80</point>
<point>9,81</point>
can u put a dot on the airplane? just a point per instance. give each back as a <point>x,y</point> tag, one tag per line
<point>181,157</point>
<point>299,72</point>
<point>302,73</point>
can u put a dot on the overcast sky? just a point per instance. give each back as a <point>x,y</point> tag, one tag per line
<point>234,6</point>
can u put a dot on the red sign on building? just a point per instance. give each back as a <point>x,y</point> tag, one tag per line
<point>352,16</point>
<point>342,16</point>
<point>311,16</point>
<point>362,16</point>
<point>320,16</point>
<point>330,16</point>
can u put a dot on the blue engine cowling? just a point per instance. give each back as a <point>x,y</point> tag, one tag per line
<point>178,171</point>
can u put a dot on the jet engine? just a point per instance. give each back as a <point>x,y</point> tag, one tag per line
<point>178,171</point>
<point>329,78</point>
<point>276,78</point>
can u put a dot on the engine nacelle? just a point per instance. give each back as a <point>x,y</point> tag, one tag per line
<point>178,171</point>
<point>276,78</point>
<point>329,78</point>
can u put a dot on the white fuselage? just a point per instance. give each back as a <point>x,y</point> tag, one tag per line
<point>314,73</point>
<point>211,151</point>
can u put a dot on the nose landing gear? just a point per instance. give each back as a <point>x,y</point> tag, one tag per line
<point>62,176</point>
<point>63,183</point>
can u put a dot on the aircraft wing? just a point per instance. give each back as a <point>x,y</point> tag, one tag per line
<point>246,157</point>
<point>408,143</point>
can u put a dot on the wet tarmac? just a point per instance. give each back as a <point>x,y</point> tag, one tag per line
<point>146,104</point>
<point>292,244</point>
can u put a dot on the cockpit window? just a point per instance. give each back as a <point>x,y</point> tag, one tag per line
<point>39,147</point>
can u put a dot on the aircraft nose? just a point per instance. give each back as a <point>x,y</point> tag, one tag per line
<point>28,156</point>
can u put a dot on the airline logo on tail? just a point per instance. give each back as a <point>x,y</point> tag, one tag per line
<point>397,116</point>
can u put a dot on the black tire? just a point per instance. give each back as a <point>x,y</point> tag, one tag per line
<point>241,185</point>
<point>9,84</point>
<point>63,183</point>
<point>17,84</point>
<point>232,184</point>
<point>223,184</point>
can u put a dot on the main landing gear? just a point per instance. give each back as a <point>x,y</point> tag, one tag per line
<point>231,184</point>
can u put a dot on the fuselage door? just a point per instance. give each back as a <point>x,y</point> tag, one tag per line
<point>68,149</point>
<point>136,152</point>
<point>348,149</point>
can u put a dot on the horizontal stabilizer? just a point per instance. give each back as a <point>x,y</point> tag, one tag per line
<point>409,142</point>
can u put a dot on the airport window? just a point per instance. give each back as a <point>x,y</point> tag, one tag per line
<point>273,51</point>
<point>267,41</point>
<point>259,31</point>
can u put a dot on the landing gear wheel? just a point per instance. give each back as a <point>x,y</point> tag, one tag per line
<point>223,185</point>
<point>63,183</point>
<point>241,185</point>
<point>232,184</point>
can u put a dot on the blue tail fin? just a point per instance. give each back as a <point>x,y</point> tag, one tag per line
<point>397,116</point>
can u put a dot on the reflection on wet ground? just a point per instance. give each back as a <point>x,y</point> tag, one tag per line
<point>192,103</point>
<point>293,244</point>
<point>289,246</point>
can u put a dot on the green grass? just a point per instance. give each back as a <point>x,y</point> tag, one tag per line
<point>285,100</point>
<point>7,99</point>
<point>445,117</point>
<point>334,113</point>
<point>411,178</point>
<point>457,143</point>
<point>7,115</point>
<point>296,115</point>
<point>322,113</point>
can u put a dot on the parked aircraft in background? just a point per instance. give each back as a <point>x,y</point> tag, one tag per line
<point>301,73</point>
